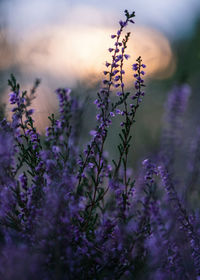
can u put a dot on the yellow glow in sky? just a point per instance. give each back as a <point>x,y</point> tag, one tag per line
<point>67,54</point>
<point>72,53</point>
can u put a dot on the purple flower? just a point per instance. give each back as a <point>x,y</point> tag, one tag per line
<point>30,112</point>
<point>55,149</point>
<point>91,165</point>
<point>13,98</point>
<point>135,67</point>
<point>118,32</point>
<point>98,117</point>
<point>93,132</point>
<point>182,216</point>
<point>82,216</point>
<point>105,82</point>
<point>107,64</point>
<point>119,93</point>
<point>118,111</point>
<point>127,56</point>
<point>117,78</point>
<point>116,85</point>
<point>118,58</point>
<point>23,180</point>
<point>115,72</point>
<point>115,65</point>
<point>122,23</point>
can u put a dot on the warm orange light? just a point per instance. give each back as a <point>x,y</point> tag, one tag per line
<point>155,50</point>
<point>6,53</point>
<point>66,54</point>
<point>73,53</point>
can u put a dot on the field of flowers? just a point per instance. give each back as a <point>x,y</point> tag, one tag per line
<point>72,214</point>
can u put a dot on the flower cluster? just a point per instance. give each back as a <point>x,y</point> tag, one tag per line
<point>72,214</point>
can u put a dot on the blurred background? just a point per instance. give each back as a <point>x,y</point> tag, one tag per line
<point>64,43</point>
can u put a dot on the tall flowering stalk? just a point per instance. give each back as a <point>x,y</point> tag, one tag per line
<point>94,153</point>
<point>183,218</point>
<point>28,141</point>
<point>129,115</point>
<point>103,101</point>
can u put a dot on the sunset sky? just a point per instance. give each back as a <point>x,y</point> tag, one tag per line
<point>66,34</point>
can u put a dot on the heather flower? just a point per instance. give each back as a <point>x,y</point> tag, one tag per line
<point>103,104</point>
<point>73,215</point>
<point>127,56</point>
<point>116,78</point>
<point>182,217</point>
<point>135,67</point>
<point>107,64</point>
<point>14,97</point>
<point>30,112</point>
<point>119,93</point>
<point>117,85</point>
<point>93,132</point>
<point>122,23</point>
<point>55,149</point>
<point>23,180</point>
<point>118,111</point>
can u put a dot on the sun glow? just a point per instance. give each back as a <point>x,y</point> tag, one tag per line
<point>70,54</point>
<point>73,53</point>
